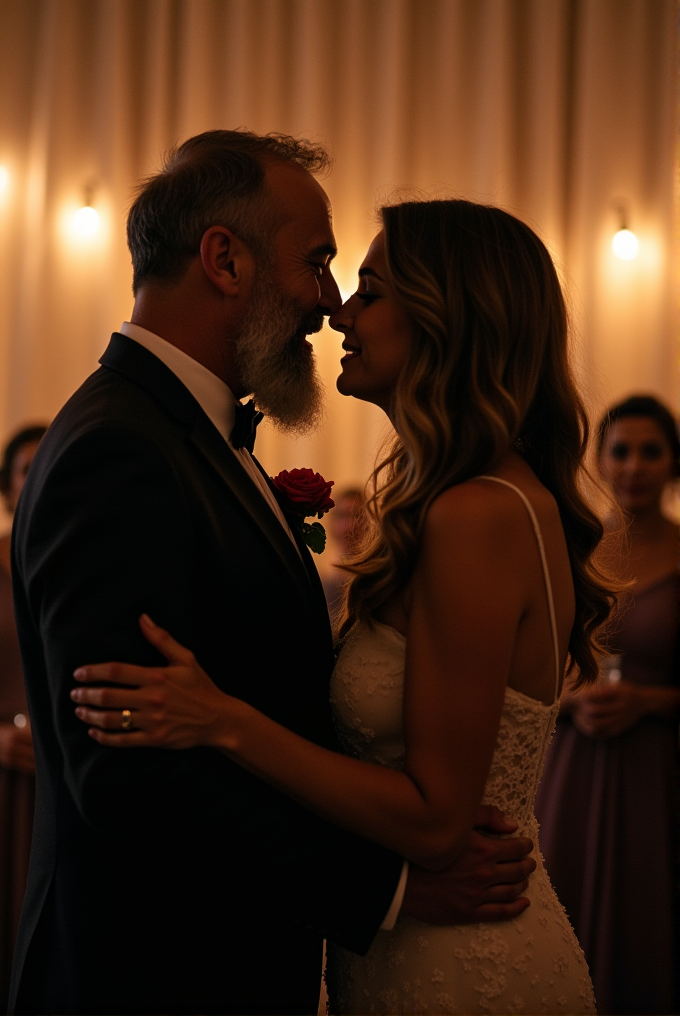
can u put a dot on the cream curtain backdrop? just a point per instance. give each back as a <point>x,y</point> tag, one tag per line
<point>558,110</point>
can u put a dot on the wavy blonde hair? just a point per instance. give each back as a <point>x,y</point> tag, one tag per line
<point>488,371</point>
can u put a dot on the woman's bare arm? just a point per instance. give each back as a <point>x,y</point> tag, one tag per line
<point>467,603</point>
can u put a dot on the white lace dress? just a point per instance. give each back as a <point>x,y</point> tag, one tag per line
<point>532,964</point>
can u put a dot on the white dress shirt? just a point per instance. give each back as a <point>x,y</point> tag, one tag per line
<point>218,403</point>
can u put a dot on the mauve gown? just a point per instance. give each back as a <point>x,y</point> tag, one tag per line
<point>17,793</point>
<point>608,814</point>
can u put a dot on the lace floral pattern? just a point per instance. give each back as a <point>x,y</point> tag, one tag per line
<point>529,965</point>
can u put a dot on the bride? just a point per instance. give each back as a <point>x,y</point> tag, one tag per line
<point>473,591</point>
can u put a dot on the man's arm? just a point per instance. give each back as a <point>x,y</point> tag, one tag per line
<point>484,884</point>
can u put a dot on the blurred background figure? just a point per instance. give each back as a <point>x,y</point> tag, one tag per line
<point>343,528</point>
<point>17,782</point>
<point>608,802</point>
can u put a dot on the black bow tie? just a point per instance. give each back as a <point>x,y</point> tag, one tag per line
<point>246,421</point>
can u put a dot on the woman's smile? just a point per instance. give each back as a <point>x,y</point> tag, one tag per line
<point>351,351</point>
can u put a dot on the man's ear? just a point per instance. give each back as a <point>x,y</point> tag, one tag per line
<point>227,261</point>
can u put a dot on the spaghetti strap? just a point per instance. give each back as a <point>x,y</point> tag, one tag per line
<point>546,573</point>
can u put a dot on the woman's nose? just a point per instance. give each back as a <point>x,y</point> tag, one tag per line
<point>343,319</point>
<point>633,463</point>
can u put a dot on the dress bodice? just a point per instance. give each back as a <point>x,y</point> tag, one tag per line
<point>367,692</point>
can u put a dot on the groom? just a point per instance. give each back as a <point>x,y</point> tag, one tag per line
<point>175,882</point>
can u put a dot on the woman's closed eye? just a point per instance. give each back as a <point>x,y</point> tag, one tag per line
<point>367,297</point>
<point>651,451</point>
<point>620,451</point>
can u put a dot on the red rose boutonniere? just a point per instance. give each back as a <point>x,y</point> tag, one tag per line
<point>303,493</point>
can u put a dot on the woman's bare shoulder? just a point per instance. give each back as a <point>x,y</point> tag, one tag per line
<point>481,511</point>
<point>478,501</point>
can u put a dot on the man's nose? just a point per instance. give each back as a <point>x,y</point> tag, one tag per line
<point>330,300</point>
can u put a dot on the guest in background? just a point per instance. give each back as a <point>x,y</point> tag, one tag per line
<point>17,766</point>
<point>608,805</point>
<point>344,527</point>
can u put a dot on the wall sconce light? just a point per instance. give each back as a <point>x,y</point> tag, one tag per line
<point>86,219</point>
<point>625,244</point>
<point>4,179</point>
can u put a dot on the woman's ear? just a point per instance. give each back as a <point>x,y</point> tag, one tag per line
<point>227,261</point>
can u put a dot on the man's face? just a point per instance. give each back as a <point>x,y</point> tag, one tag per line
<point>293,290</point>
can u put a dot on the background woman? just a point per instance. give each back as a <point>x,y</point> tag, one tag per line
<point>608,801</point>
<point>17,783</point>
<point>450,672</point>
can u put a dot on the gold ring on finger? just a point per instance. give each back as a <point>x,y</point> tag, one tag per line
<point>126,719</point>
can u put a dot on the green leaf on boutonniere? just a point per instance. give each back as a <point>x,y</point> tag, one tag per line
<point>314,536</point>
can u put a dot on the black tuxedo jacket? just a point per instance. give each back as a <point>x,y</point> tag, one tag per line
<point>171,881</point>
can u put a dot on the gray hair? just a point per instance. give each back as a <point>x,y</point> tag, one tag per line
<point>214,178</point>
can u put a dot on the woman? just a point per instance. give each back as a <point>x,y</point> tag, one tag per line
<point>17,766</point>
<point>608,800</point>
<point>473,587</point>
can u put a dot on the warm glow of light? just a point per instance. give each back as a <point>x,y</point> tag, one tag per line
<point>4,179</point>
<point>86,221</point>
<point>625,245</point>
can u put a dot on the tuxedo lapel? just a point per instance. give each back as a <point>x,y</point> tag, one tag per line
<point>312,572</point>
<point>129,358</point>
<point>212,446</point>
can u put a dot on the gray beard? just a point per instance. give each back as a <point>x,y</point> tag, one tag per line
<point>276,364</point>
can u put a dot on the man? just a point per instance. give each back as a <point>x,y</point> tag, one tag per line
<point>174,882</point>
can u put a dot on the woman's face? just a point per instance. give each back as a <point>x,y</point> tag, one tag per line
<point>17,476</point>
<point>378,333</point>
<point>637,461</point>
